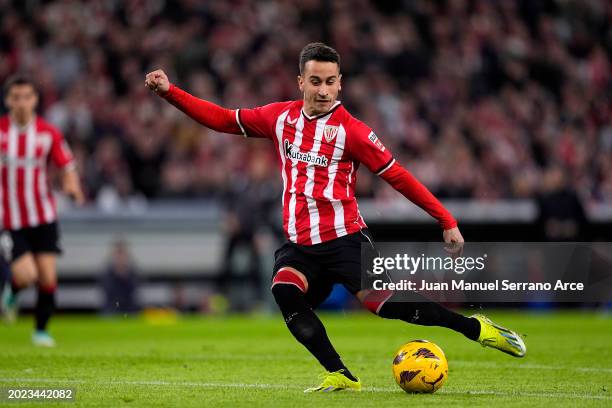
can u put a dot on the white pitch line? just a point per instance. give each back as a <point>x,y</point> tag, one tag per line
<point>458,363</point>
<point>532,394</point>
<point>518,365</point>
<point>146,382</point>
<point>505,394</point>
<point>286,387</point>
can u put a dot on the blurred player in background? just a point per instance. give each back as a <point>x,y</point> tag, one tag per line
<point>30,238</point>
<point>320,146</point>
<point>120,281</point>
<point>250,204</point>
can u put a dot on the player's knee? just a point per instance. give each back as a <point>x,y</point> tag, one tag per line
<point>286,288</point>
<point>24,279</point>
<point>47,278</point>
<point>289,276</point>
<point>47,282</point>
<point>285,294</point>
<point>45,265</point>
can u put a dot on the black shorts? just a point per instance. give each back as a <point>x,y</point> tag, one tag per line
<point>40,239</point>
<point>325,264</point>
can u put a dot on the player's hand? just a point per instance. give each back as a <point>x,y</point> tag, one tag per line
<point>454,241</point>
<point>157,81</point>
<point>71,186</point>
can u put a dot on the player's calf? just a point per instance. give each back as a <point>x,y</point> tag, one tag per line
<point>288,290</point>
<point>418,310</point>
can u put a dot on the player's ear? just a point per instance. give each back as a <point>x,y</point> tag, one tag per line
<point>339,82</point>
<point>300,82</point>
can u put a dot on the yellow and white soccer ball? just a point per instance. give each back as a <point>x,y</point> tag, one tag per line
<point>420,367</point>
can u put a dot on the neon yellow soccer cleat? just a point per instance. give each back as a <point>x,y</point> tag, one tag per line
<point>335,381</point>
<point>493,335</point>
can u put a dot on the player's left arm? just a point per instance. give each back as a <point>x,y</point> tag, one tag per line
<point>61,156</point>
<point>71,185</point>
<point>404,182</point>
<point>369,150</point>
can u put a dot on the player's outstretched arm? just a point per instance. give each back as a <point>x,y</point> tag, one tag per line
<point>404,182</point>
<point>207,113</point>
<point>365,147</point>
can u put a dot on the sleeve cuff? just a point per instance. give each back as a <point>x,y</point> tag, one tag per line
<point>168,94</point>
<point>446,225</point>
<point>244,134</point>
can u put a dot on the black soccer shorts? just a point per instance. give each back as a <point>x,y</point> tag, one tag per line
<point>327,263</point>
<point>43,238</point>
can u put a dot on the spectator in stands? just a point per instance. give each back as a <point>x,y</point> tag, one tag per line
<point>120,282</point>
<point>561,216</point>
<point>501,91</point>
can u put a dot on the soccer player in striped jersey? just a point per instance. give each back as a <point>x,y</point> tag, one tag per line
<point>30,236</point>
<point>319,147</point>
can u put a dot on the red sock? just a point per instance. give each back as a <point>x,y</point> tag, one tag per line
<point>47,288</point>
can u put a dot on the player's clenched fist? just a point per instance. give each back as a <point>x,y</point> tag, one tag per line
<point>157,81</point>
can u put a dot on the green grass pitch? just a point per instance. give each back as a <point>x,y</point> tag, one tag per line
<point>253,361</point>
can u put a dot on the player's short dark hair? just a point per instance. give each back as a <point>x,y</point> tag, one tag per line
<point>16,80</point>
<point>318,51</point>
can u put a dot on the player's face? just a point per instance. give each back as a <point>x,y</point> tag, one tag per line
<point>320,83</point>
<point>21,101</point>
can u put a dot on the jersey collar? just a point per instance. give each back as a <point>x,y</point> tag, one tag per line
<point>24,127</point>
<point>333,108</point>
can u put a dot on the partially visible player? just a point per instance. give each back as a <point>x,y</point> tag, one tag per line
<point>30,238</point>
<point>320,146</point>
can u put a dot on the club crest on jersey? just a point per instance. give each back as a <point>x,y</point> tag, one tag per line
<point>293,152</point>
<point>44,141</point>
<point>374,139</point>
<point>330,132</point>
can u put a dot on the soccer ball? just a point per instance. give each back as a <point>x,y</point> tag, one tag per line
<point>420,367</point>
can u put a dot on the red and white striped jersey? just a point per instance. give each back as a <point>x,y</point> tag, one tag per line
<point>26,199</point>
<point>319,157</point>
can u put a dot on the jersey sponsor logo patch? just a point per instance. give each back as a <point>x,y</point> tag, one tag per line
<point>330,132</point>
<point>294,153</point>
<point>374,139</point>
<point>7,160</point>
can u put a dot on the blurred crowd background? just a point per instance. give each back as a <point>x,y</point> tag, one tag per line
<point>479,99</point>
